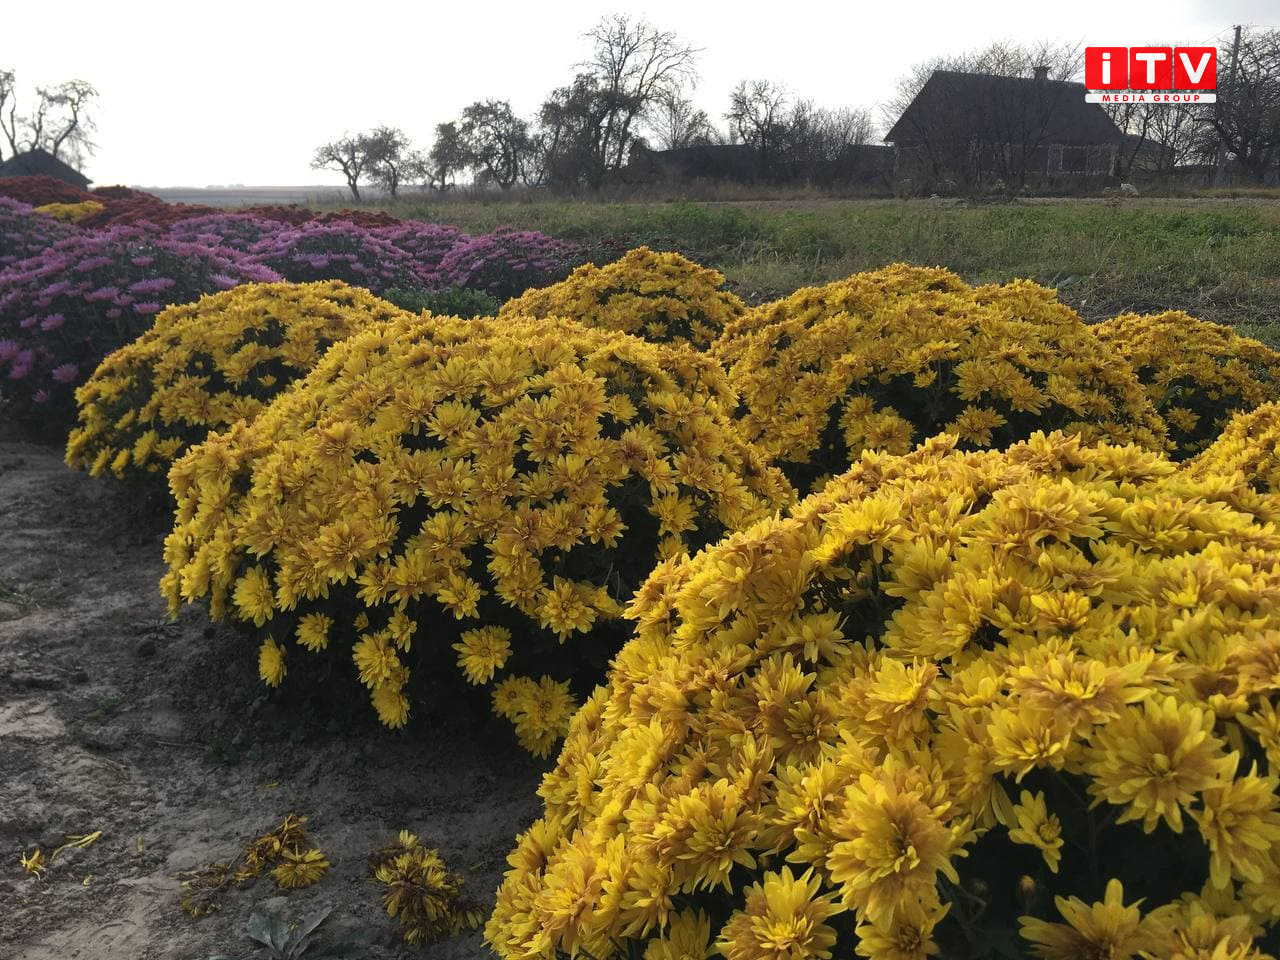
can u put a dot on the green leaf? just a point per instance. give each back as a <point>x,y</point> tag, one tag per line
<point>311,921</point>
<point>269,929</point>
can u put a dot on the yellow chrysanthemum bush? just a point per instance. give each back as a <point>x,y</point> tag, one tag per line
<point>202,366</point>
<point>71,212</point>
<point>663,297</point>
<point>476,497</point>
<point>883,359</point>
<point>1198,374</point>
<point>953,700</point>
<point>1249,445</point>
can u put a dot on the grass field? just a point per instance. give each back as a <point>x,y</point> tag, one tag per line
<point>1215,258</point>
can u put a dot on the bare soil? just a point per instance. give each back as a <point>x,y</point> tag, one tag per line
<point>160,735</point>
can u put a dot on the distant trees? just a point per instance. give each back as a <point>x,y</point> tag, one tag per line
<point>348,155</point>
<point>589,126</point>
<point>1246,118</point>
<point>496,142</point>
<point>447,157</point>
<point>795,140</point>
<point>60,122</point>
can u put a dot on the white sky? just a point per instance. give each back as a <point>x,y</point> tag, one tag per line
<point>241,92</point>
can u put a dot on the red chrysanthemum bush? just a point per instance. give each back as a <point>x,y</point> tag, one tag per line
<point>1198,374</point>
<point>663,297</point>
<point>955,701</point>
<point>883,359</point>
<point>202,366</point>
<point>41,189</point>
<point>471,498</point>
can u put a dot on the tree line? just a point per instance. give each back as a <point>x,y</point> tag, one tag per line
<point>635,87</point>
<point>632,91</point>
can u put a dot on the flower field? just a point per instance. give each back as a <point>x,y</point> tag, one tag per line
<point>893,618</point>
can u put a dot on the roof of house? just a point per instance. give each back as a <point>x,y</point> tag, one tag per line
<point>40,162</point>
<point>983,106</point>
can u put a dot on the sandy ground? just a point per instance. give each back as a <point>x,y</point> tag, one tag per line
<point>159,734</point>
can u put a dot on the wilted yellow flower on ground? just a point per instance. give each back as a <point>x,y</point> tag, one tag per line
<point>300,869</point>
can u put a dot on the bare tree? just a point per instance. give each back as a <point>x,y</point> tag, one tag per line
<point>589,126</point>
<point>757,116</point>
<point>1246,116</point>
<point>634,64</point>
<point>61,122</point>
<point>497,141</point>
<point>348,155</point>
<point>675,122</point>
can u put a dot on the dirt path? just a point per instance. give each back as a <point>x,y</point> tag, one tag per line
<point>158,734</point>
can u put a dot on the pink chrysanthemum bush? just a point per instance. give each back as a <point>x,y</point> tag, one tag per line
<point>663,297</point>
<point>985,704</point>
<point>426,243</point>
<point>63,311</point>
<point>235,231</point>
<point>883,359</point>
<point>25,233</point>
<point>471,498</point>
<point>337,251</point>
<point>506,263</point>
<point>202,366</point>
<point>1198,374</point>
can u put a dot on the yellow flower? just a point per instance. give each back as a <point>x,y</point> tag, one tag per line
<point>300,869</point>
<point>891,846</point>
<point>271,668</point>
<point>1155,760</point>
<point>907,936</point>
<point>1038,828</point>
<point>1241,825</point>
<point>783,919</point>
<point>687,937</point>
<point>1106,929</point>
<point>313,630</point>
<point>482,652</point>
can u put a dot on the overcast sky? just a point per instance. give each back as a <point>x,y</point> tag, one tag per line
<point>242,92</point>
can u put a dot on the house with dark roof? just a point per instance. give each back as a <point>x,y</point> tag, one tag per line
<point>983,130</point>
<point>39,162</point>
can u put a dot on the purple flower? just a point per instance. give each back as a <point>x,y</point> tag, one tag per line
<point>65,372</point>
<point>52,322</point>
<point>147,308</point>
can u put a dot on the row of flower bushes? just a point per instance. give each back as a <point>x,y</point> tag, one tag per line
<point>70,296</point>
<point>957,695</point>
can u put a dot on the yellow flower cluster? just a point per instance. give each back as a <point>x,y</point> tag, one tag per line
<point>662,297</point>
<point>900,720</point>
<point>1197,374</point>
<point>1250,446</point>
<point>422,893</point>
<point>202,366</point>
<point>491,488</point>
<point>71,212</point>
<point>882,360</point>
